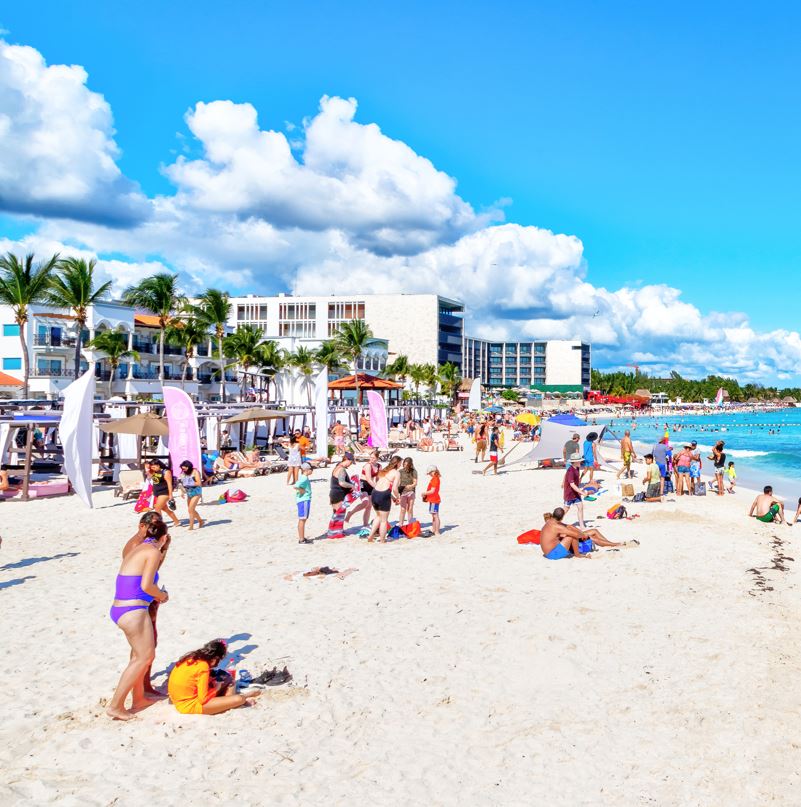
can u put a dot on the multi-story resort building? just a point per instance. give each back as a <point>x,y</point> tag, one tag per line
<point>555,365</point>
<point>426,328</point>
<point>51,335</point>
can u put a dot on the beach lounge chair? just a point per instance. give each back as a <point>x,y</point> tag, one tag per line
<point>221,473</point>
<point>438,441</point>
<point>130,484</point>
<point>397,439</point>
<point>453,445</point>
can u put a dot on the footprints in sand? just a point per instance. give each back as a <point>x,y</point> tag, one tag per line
<point>778,564</point>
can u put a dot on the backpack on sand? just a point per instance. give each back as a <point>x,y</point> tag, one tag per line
<point>700,488</point>
<point>639,497</point>
<point>616,511</point>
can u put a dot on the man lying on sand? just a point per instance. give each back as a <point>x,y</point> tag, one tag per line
<point>767,507</point>
<point>559,541</point>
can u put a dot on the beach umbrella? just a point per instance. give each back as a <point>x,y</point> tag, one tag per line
<point>145,424</point>
<point>528,418</point>
<point>259,413</point>
<point>493,410</point>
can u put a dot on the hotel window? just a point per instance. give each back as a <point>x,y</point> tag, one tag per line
<point>297,319</point>
<point>10,330</point>
<point>12,364</point>
<point>251,314</point>
<point>343,312</point>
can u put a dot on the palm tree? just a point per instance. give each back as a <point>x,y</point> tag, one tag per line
<point>187,334</point>
<point>430,377</point>
<point>212,310</point>
<point>449,379</point>
<point>115,345</point>
<point>303,361</point>
<point>417,373</point>
<point>73,286</point>
<point>328,356</point>
<point>270,360</point>
<point>158,294</point>
<point>244,346</point>
<point>399,368</point>
<point>21,285</point>
<point>351,339</point>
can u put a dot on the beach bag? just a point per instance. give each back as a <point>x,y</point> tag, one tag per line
<point>412,529</point>
<point>639,497</point>
<point>627,490</point>
<point>616,512</point>
<point>395,532</point>
<point>530,537</point>
<point>585,547</point>
<point>668,485</point>
<point>143,502</point>
<point>235,495</point>
<point>700,488</point>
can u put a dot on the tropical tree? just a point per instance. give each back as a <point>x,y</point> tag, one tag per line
<point>244,345</point>
<point>303,361</point>
<point>73,286</point>
<point>270,360</point>
<point>399,368</point>
<point>417,373</point>
<point>114,344</point>
<point>23,284</point>
<point>351,340</point>
<point>159,295</point>
<point>449,378</point>
<point>430,377</point>
<point>187,334</point>
<point>212,310</point>
<point>328,356</point>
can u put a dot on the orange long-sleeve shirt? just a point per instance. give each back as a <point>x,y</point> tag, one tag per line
<point>188,686</point>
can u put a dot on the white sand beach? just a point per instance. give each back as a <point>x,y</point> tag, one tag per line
<point>465,669</point>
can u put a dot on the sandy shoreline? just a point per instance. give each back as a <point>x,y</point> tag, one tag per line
<point>467,668</point>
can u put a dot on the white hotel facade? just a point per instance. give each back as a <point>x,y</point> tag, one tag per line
<point>51,334</point>
<point>427,328</point>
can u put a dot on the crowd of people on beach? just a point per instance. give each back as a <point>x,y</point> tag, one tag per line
<point>364,492</point>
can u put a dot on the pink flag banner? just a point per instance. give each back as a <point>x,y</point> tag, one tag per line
<point>184,434</point>
<point>379,436</point>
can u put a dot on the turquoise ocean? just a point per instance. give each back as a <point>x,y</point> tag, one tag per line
<point>764,446</point>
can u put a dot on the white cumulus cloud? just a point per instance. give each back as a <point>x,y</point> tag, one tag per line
<point>57,148</point>
<point>350,177</point>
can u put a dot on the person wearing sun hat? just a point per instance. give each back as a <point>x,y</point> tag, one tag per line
<point>571,487</point>
<point>432,497</point>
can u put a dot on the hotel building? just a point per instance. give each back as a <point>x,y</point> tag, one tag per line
<point>51,334</point>
<point>555,365</point>
<point>426,328</point>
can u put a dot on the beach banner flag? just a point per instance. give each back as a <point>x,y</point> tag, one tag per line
<point>321,412</point>
<point>719,397</point>
<point>474,401</point>
<point>184,438</point>
<point>379,437</point>
<point>75,431</point>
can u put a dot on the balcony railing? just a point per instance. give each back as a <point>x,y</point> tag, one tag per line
<point>52,372</point>
<point>145,375</point>
<point>48,340</point>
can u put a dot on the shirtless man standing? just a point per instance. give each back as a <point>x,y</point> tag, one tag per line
<point>766,507</point>
<point>626,455</point>
<point>338,433</point>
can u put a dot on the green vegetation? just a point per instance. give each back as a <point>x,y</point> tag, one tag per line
<point>690,390</point>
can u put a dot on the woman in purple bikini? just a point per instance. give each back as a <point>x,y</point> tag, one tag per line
<point>136,588</point>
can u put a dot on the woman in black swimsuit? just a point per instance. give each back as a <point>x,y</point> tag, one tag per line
<point>384,493</point>
<point>161,482</point>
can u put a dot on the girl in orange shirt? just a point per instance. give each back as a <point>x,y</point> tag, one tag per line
<point>433,499</point>
<point>189,687</point>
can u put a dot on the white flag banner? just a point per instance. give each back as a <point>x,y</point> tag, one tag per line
<point>76,434</point>
<point>321,412</point>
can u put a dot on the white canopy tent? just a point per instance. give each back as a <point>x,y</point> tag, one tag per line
<point>552,441</point>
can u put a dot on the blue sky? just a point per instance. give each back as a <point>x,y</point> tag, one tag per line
<point>664,137</point>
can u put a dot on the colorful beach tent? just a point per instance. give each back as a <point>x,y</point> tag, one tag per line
<point>555,433</point>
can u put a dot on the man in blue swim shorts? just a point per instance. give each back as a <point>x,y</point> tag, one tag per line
<point>559,541</point>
